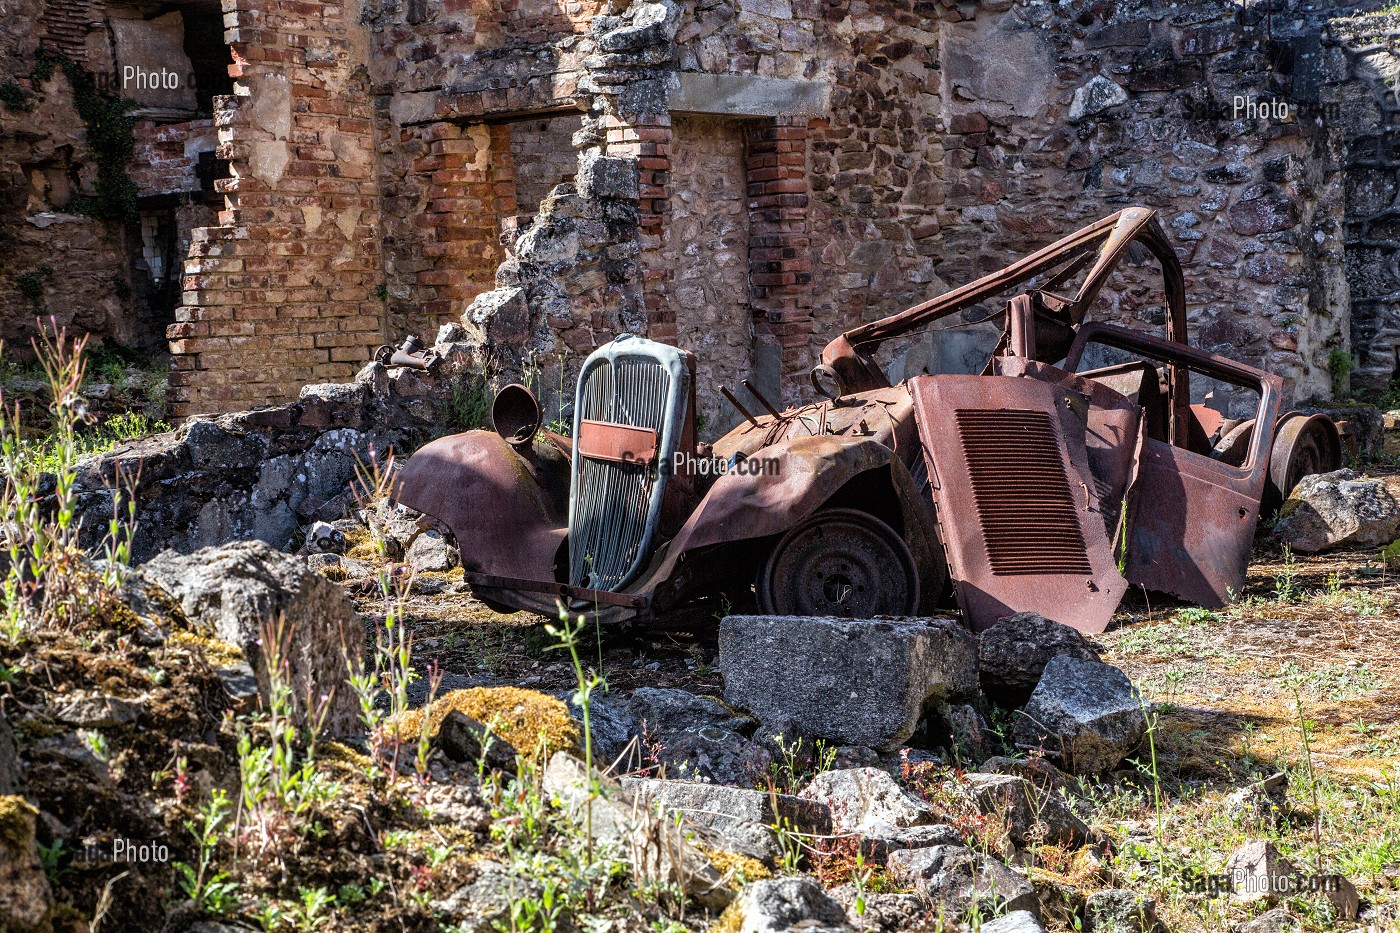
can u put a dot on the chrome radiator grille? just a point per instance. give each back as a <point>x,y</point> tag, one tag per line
<point>615,506</point>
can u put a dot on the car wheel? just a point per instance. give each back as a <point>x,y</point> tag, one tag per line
<point>839,562</point>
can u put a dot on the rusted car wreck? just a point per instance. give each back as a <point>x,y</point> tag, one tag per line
<point>1074,466</point>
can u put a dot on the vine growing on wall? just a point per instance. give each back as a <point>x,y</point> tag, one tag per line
<point>108,128</point>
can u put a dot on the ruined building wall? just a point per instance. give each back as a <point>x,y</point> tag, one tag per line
<point>56,263</point>
<point>452,81</point>
<point>284,291</point>
<point>1362,71</point>
<point>706,244</point>
<point>1067,115</point>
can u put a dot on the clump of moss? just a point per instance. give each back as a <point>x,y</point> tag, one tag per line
<point>738,870</point>
<point>360,545</point>
<point>16,823</point>
<point>527,719</point>
<point>731,921</point>
<point>216,652</point>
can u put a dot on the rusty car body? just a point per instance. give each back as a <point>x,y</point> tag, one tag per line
<point>1035,485</point>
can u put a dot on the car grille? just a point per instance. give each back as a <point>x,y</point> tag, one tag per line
<point>615,506</point>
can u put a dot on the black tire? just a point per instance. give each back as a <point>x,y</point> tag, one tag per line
<point>839,562</point>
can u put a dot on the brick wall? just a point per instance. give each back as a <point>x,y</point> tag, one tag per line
<point>542,152</point>
<point>74,28</point>
<point>283,292</point>
<point>780,263</point>
<point>446,188</point>
<point>166,157</point>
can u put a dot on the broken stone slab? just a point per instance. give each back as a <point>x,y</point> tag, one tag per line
<point>775,905</point>
<point>1259,872</point>
<point>743,820</point>
<point>966,731</point>
<point>847,681</point>
<point>1012,654</point>
<point>869,803</point>
<point>1038,771</point>
<point>1277,920</point>
<point>463,738</point>
<point>1337,509</point>
<point>685,736</point>
<point>957,879</point>
<point>1033,815</point>
<point>1118,910</point>
<point>233,592</point>
<point>655,847</point>
<point>1263,801</point>
<point>1085,714</point>
<point>431,551</point>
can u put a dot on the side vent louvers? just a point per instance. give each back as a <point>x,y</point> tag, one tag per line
<point>1024,502</point>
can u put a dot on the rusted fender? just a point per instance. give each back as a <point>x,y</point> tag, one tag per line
<point>506,508</point>
<point>811,469</point>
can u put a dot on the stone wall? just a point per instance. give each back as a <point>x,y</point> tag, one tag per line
<point>706,244</point>
<point>1363,73</point>
<point>286,290</point>
<point>542,152</point>
<point>56,263</point>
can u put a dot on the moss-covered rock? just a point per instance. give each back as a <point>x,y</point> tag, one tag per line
<point>527,719</point>
<point>25,896</point>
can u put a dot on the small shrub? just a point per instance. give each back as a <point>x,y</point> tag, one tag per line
<point>12,96</point>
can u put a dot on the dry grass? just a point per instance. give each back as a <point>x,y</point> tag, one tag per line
<point>1313,643</point>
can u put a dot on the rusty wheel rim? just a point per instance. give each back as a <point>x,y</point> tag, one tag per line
<point>840,562</point>
<point>1304,445</point>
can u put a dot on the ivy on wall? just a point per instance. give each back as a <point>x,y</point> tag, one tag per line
<point>109,137</point>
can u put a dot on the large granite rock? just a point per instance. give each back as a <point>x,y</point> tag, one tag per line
<point>1338,509</point>
<point>779,904</point>
<point>655,847</point>
<point>1012,654</point>
<point>867,802</point>
<point>742,819</point>
<point>1085,714</point>
<point>955,878</point>
<point>848,681</point>
<point>235,591</point>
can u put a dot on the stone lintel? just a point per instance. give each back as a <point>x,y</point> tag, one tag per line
<point>748,96</point>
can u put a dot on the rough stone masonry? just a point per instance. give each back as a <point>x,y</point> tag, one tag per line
<point>744,177</point>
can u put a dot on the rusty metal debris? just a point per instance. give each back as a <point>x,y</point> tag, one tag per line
<point>1085,458</point>
<point>410,355</point>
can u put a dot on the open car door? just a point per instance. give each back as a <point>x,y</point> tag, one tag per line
<point>1194,505</point>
